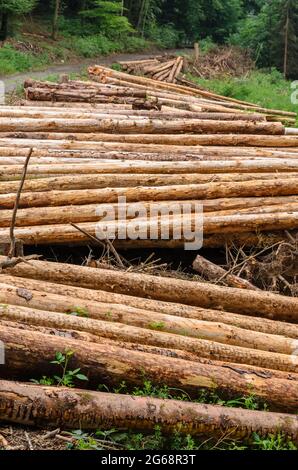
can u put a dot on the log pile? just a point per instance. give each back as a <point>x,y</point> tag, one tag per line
<point>163,69</point>
<point>183,334</point>
<point>234,158</point>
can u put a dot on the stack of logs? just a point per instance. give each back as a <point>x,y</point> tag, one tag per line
<point>226,154</point>
<point>158,68</point>
<point>183,334</point>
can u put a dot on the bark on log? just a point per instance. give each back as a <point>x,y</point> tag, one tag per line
<point>200,294</point>
<point>30,356</point>
<point>174,353</point>
<point>32,405</point>
<point>169,308</point>
<point>116,331</point>
<point>235,235</point>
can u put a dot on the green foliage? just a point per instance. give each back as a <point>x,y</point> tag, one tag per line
<point>12,61</point>
<point>273,442</point>
<point>108,15</point>
<point>269,90</point>
<point>16,7</point>
<point>265,34</point>
<point>165,36</point>
<point>67,377</point>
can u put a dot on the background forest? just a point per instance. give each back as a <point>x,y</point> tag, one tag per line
<point>268,28</point>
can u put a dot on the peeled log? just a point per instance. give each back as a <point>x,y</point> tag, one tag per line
<point>200,294</point>
<point>90,212</point>
<point>169,308</point>
<point>161,229</point>
<point>30,355</point>
<point>73,113</point>
<point>32,405</point>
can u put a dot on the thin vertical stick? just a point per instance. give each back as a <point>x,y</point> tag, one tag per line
<point>11,253</point>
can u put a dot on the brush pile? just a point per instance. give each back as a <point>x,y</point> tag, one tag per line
<point>124,326</point>
<point>222,61</point>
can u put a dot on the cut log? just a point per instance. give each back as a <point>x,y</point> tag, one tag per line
<point>134,126</point>
<point>89,141</point>
<point>200,294</point>
<point>91,212</point>
<point>161,193</point>
<point>159,229</point>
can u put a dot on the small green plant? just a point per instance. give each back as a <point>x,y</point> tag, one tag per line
<point>157,325</point>
<point>78,312</point>
<point>67,376</point>
<point>273,442</point>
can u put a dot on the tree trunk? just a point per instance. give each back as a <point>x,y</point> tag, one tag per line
<point>55,20</point>
<point>4,26</point>
<point>286,37</point>
<point>30,355</point>
<point>168,193</point>
<point>139,142</point>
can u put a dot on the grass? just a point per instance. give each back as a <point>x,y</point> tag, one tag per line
<point>116,439</point>
<point>130,440</point>
<point>269,90</point>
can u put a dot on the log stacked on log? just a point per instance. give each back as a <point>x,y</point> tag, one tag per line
<point>162,69</point>
<point>183,334</point>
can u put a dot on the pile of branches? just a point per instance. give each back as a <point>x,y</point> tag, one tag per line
<point>222,61</point>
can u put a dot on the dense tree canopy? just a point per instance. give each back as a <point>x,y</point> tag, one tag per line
<point>268,27</point>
